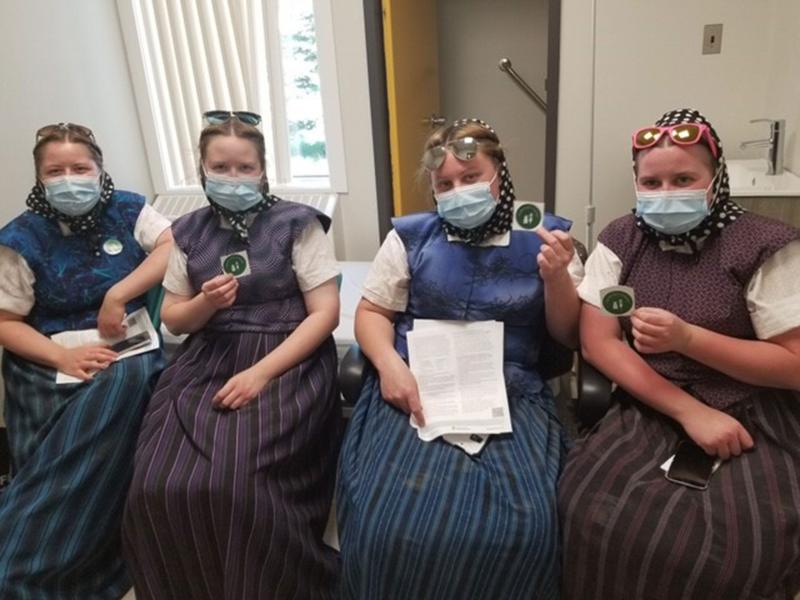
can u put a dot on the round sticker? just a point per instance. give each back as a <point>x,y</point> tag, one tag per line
<point>234,264</point>
<point>617,303</point>
<point>528,216</point>
<point>112,246</point>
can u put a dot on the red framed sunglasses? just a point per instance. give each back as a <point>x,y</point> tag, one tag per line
<point>685,134</point>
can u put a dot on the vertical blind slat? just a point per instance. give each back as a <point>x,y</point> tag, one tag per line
<point>176,94</point>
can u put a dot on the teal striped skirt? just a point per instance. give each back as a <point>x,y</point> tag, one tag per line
<point>72,458</point>
<point>426,520</point>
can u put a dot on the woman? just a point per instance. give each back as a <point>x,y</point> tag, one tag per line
<point>76,259</point>
<point>714,350</point>
<point>236,460</point>
<point>425,519</point>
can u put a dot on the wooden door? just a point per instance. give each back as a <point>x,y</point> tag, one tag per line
<point>412,86</point>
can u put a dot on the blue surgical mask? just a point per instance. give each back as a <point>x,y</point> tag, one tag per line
<point>468,206</point>
<point>72,195</point>
<point>672,212</point>
<point>237,194</point>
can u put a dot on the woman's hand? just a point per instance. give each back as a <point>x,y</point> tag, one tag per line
<point>111,315</point>
<point>240,389</point>
<point>716,432</point>
<point>555,254</point>
<point>221,290</point>
<point>656,330</point>
<point>84,361</point>
<point>399,388</point>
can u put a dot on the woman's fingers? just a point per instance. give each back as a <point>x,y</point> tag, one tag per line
<point>415,408</point>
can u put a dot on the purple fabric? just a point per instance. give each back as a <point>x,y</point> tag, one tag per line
<point>269,299</point>
<point>232,504</point>
<point>707,289</point>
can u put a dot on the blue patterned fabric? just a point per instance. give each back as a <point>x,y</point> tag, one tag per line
<point>72,448</point>
<point>72,277</point>
<point>426,520</point>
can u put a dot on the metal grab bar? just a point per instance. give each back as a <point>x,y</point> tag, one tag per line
<point>505,65</point>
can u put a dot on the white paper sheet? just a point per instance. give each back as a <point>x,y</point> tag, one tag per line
<point>137,322</point>
<point>459,370</point>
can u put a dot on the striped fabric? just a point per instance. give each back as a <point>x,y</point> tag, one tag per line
<point>232,504</point>
<point>426,520</point>
<point>72,448</point>
<point>630,533</point>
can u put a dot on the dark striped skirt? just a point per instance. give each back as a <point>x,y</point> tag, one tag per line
<point>426,520</point>
<point>629,533</point>
<point>232,504</point>
<point>72,449</point>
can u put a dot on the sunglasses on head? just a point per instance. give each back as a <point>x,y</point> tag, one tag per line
<point>465,148</point>
<point>218,117</point>
<point>684,134</point>
<point>49,130</point>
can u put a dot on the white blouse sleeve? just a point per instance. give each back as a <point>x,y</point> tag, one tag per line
<point>603,269</point>
<point>575,270</point>
<point>387,282</point>
<point>149,225</point>
<point>773,294</point>
<point>16,283</point>
<point>176,279</point>
<point>313,259</point>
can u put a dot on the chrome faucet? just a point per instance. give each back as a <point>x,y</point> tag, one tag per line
<point>777,128</point>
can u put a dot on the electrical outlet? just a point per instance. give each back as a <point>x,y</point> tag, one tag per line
<point>712,38</point>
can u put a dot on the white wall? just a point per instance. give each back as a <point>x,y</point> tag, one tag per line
<point>473,36</point>
<point>356,225</point>
<point>648,60</point>
<point>65,61</point>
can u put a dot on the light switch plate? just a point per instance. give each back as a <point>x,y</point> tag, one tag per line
<point>712,38</point>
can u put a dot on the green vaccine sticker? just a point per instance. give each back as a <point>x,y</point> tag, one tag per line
<point>617,301</point>
<point>112,246</point>
<point>236,264</point>
<point>527,215</point>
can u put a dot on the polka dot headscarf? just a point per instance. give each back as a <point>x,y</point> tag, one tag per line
<point>88,224</point>
<point>722,211</point>
<point>501,219</point>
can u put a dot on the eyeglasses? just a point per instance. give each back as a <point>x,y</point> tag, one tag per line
<point>218,117</point>
<point>49,130</point>
<point>685,134</point>
<point>465,148</point>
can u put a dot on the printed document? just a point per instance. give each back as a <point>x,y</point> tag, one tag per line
<point>458,366</point>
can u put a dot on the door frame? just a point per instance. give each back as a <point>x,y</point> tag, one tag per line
<point>379,109</point>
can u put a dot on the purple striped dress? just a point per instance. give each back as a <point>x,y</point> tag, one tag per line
<point>627,531</point>
<point>232,504</point>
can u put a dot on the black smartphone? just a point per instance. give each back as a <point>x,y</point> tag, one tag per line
<point>691,466</point>
<point>131,343</point>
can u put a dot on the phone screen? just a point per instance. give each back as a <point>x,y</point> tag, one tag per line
<point>135,341</point>
<point>691,466</point>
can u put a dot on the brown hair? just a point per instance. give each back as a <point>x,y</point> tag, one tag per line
<point>234,127</point>
<point>488,142</point>
<point>66,133</point>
